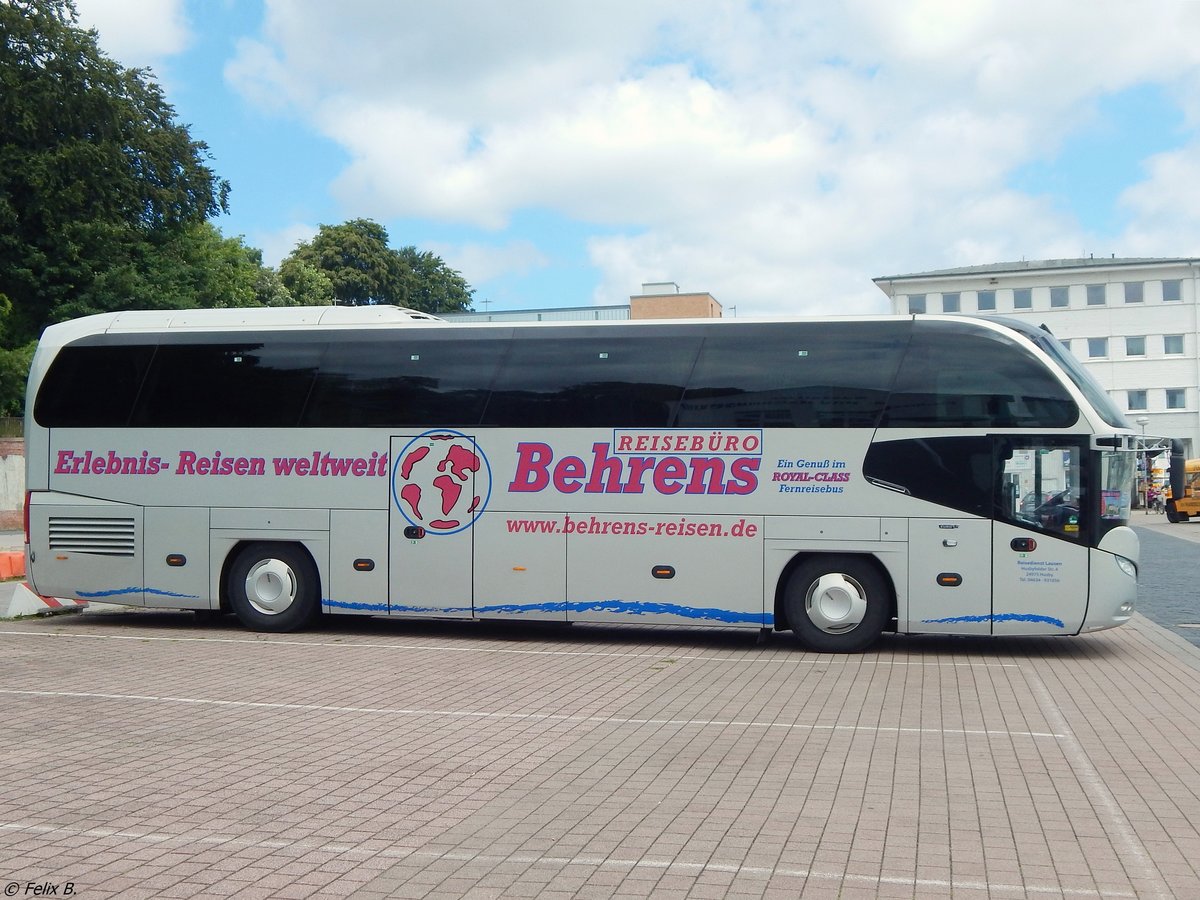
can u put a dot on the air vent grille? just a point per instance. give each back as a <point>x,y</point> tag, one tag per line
<point>101,536</point>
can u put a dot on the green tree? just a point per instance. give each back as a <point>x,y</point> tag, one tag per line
<point>99,185</point>
<point>14,371</point>
<point>194,266</point>
<point>269,289</point>
<point>360,265</point>
<point>308,285</point>
<point>363,269</point>
<point>437,287</point>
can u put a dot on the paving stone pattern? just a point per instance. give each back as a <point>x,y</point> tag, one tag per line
<point>1169,577</point>
<point>149,757</point>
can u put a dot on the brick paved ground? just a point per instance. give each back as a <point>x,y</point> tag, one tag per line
<point>148,757</point>
<point>1168,590</point>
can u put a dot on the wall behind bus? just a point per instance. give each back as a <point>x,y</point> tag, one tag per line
<point>12,483</point>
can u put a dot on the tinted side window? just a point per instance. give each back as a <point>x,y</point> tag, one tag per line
<point>591,381</point>
<point>91,387</point>
<point>794,375</point>
<point>228,385</point>
<point>954,471</point>
<point>426,383</point>
<point>957,376</point>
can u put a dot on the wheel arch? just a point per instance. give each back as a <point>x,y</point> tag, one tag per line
<point>802,557</point>
<point>237,547</point>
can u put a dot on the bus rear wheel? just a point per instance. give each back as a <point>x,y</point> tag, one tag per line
<point>273,587</point>
<point>837,604</point>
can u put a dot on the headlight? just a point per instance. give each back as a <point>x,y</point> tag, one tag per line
<point>1127,566</point>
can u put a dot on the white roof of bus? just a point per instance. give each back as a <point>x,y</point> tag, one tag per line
<point>266,318</point>
<point>252,317</point>
<point>298,317</point>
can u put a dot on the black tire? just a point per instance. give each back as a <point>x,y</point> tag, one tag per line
<point>273,587</point>
<point>845,613</point>
<point>1174,516</point>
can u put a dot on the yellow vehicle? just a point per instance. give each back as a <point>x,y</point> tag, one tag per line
<point>1183,498</point>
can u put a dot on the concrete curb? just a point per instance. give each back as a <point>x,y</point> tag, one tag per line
<point>26,603</point>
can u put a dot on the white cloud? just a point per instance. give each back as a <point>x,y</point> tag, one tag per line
<point>261,77</point>
<point>776,154</point>
<point>467,59</point>
<point>485,262</point>
<point>1165,221</point>
<point>276,245</point>
<point>139,33</point>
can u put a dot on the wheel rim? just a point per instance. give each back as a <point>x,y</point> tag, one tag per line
<point>271,587</point>
<point>836,603</point>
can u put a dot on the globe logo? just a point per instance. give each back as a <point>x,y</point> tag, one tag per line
<point>441,481</point>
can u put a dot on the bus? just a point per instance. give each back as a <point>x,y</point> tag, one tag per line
<point>836,478</point>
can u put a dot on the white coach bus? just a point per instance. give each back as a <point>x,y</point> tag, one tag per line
<point>837,478</point>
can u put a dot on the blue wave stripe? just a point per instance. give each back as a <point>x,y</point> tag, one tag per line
<point>998,617</point>
<point>342,604</point>
<point>729,616</point>
<point>136,590</point>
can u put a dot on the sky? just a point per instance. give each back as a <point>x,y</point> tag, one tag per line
<point>778,154</point>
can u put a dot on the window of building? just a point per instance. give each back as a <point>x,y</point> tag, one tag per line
<point>1023,298</point>
<point>1066,342</point>
<point>1173,344</point>
<point>950,303</point>
<point>1095,295</point>
<point>1172,290</point>
<point>1097,347</point>
<point>1135,346</point>
<point>1059,297</point>
<point>1176,398</point>
<point>916,303</point>
<point>1133,291</point>
<point>1136,399</point>
<point>987,301</point>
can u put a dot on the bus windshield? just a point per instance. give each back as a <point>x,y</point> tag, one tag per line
<point>1096,395</point>
<point>1116,476</point>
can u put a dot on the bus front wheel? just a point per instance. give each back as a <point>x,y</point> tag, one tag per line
<point>273,587</point>
<point>837,604</point>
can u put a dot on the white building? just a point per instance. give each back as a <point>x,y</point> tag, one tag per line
<point>1132,322</point>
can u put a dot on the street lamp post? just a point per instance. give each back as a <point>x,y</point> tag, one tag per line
<point>1144,494</point>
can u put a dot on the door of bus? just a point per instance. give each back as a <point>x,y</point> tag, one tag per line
<point>434,502</point>
<point>1020,564</point>
<point>950,575</point>
<point>1039,555</point>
